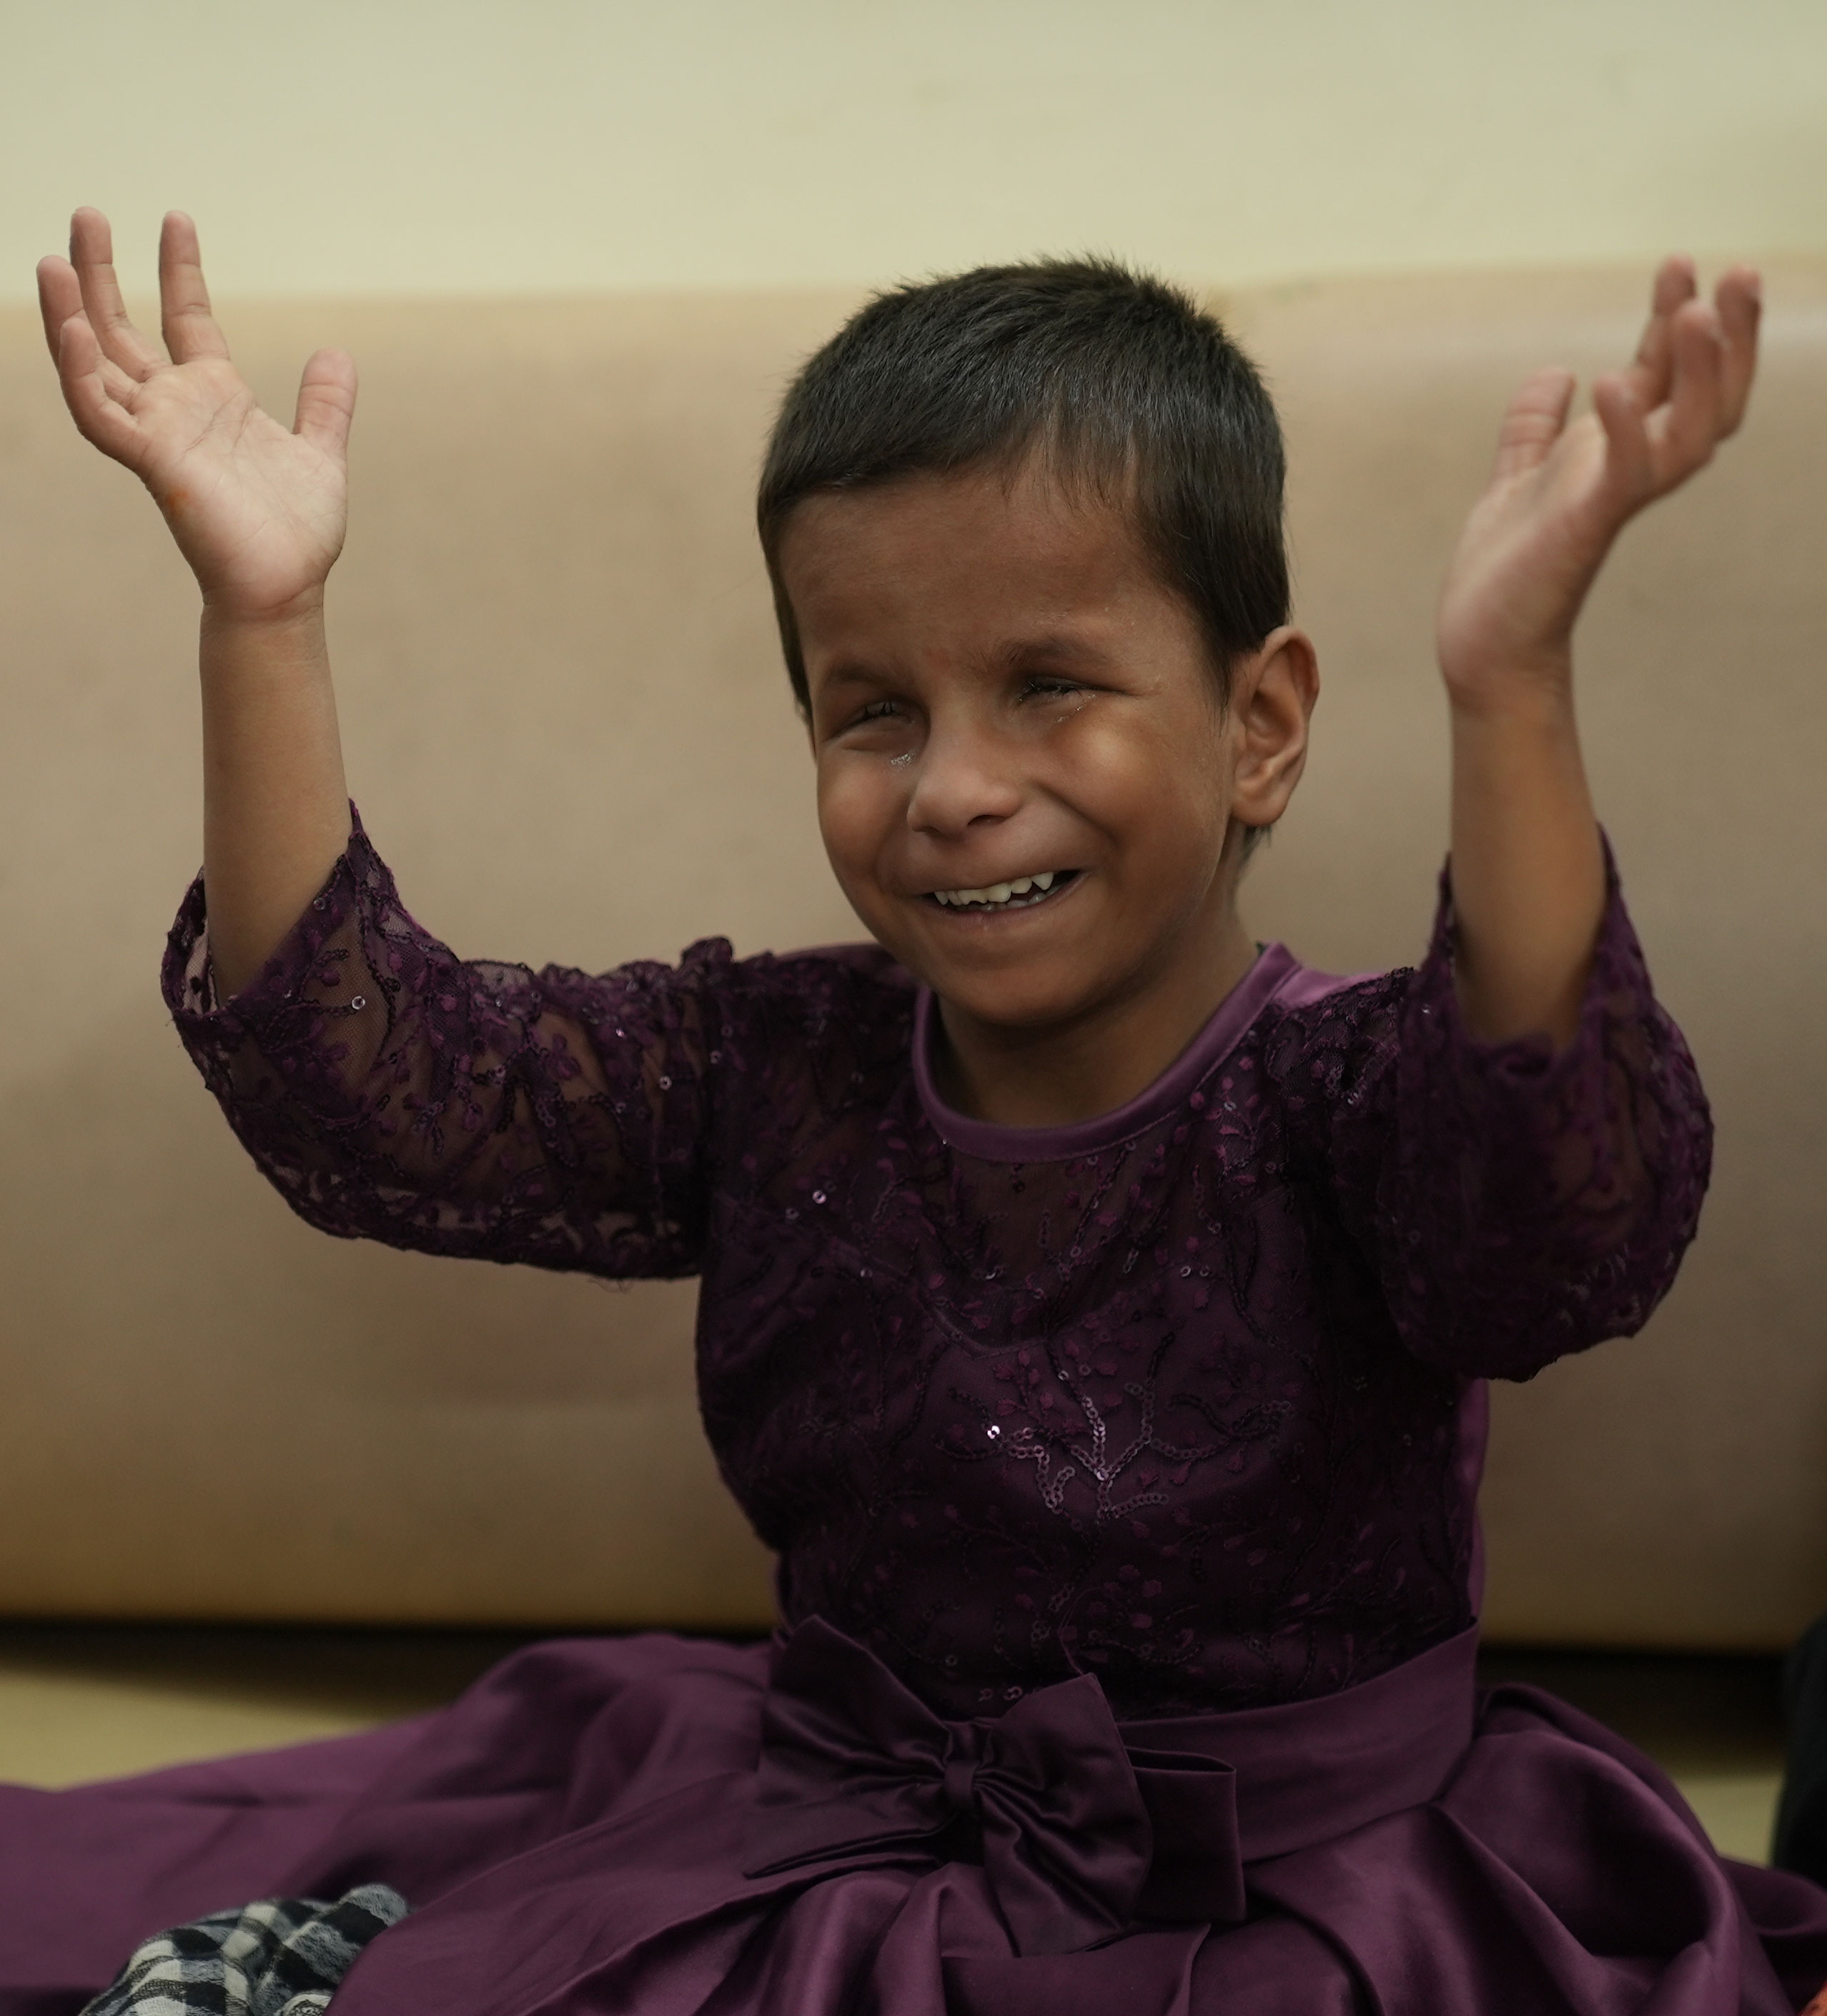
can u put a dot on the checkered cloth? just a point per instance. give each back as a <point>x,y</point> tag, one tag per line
<point>284,1957</point>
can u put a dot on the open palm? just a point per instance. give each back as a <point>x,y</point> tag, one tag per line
<point>257,510</point>
<point>1560,493</point>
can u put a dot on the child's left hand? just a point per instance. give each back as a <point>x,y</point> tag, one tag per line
<point>1560,493</point>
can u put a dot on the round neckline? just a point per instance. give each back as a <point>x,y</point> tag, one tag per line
<point>994,1141</point>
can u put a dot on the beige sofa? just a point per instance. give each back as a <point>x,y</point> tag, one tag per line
<point>570,734</point>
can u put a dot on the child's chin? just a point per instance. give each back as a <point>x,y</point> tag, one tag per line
<point>1012,1000</point>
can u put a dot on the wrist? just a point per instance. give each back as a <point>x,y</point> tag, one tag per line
<point>236,646</point>
<point>1533,691</point>
<point>301,613</point>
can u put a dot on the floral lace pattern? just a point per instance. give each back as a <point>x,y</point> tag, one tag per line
<point>1177,1402</point>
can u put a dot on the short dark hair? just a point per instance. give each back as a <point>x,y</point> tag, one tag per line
<point>1122,382</point>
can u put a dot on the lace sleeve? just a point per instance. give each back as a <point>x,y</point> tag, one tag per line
<point>1522,1202</point>
<point>391,1091</point>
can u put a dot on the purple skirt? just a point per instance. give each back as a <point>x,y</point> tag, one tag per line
<point>662,1825</point>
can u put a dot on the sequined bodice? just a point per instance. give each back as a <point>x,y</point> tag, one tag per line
<point>1184,1396</point>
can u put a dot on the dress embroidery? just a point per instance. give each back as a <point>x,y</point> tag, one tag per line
<point>1174,1399</point>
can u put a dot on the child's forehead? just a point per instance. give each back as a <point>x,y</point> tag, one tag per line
<point>976,574</point>
<point>961,529</point>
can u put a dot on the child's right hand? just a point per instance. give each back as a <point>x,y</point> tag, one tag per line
<point>257,511</point>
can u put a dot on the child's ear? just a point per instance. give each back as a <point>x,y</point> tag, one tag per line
<point>1273,694</point>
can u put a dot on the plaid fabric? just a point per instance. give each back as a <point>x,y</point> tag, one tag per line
<point>284,1957</point>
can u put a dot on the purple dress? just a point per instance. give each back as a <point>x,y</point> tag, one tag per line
<point>1122,1476</point>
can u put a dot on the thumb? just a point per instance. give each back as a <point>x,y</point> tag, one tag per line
<point>1534,423</point>
<point>326,401</point>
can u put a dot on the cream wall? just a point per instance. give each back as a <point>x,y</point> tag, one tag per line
<point>459,145</point>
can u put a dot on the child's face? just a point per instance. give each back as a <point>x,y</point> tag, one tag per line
<point>1001,688</point>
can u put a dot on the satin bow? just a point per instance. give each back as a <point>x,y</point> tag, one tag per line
<point>1080,1835</point>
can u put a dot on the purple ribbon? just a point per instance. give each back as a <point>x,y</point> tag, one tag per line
<point>1080,1835</point>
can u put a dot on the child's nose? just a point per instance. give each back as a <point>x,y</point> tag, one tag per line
<point>961,776</point>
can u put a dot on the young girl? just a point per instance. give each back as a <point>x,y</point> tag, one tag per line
<point>1095,1304</point>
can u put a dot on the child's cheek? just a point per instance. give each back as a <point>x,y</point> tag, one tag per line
<point>859,805</point>
<point>1124,766</point>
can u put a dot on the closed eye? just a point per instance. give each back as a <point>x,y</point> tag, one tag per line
<point>887,717</point>
<point>1041,687</point>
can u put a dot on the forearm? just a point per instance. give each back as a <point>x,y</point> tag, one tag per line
<point>276,805</point>
<point>1528,873</point>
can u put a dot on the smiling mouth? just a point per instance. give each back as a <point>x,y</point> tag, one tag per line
<point>1022,892</point>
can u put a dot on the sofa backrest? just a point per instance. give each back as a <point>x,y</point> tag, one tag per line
<point>570,735</point>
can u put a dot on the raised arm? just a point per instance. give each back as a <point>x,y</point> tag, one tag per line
<point>259,512</point>
<point>1528,878</point>
<point>390,1090</point>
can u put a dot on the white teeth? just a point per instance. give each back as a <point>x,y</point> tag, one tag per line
<point>1021,885</point>
<point>998,892</point>
<point>1044,881</point>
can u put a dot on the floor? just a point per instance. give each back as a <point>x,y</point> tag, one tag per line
<point>83,1701</point>
<point>1714,1724</point>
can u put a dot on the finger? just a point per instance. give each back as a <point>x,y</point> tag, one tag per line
<point>91,252</point>
<point>1684,431</point>
<point>1629,461</point>
<point>1739,301</point>
<point>1675,283</point>
<point>185,320</point>
<point>59,298</point>
<point>115,382</point>
<point>1533,421</point>
<point>1674,286</point>
<point>99,418</point>
<point>326,401</point>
